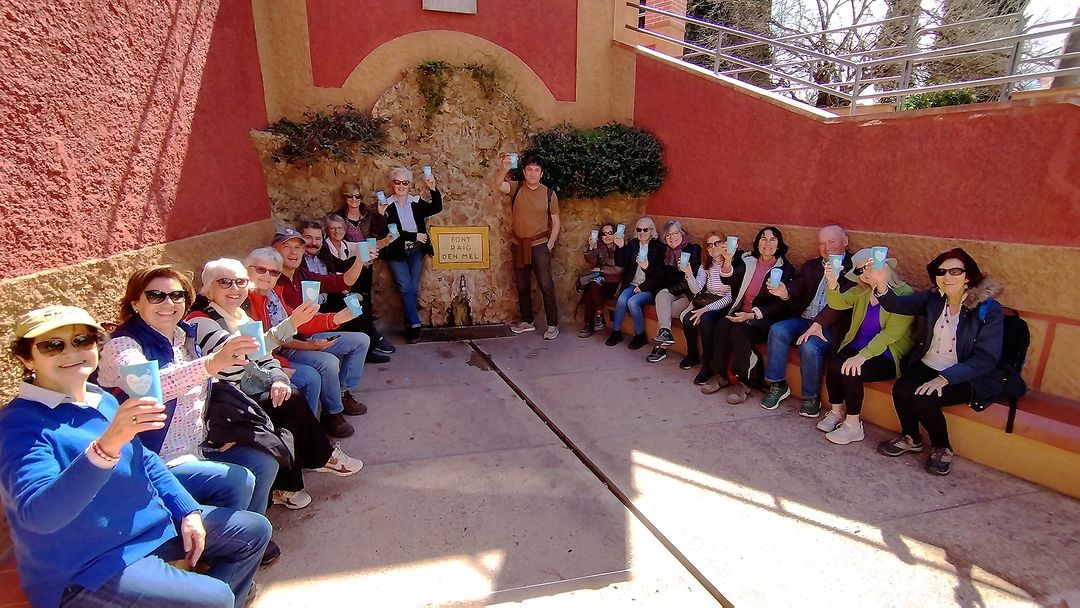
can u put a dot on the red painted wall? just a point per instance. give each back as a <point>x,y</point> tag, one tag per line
<point>125,127</point>
<point>343,32</point>
<point>1009,175</point>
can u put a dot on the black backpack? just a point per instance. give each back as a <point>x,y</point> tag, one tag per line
<point>1016,339</point>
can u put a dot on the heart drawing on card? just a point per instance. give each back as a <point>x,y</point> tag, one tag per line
<point>312,294</point>
<point>138,385</point>
<point>879,255</point>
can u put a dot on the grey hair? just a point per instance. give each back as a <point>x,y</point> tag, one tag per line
<point>333,217</point>
<point>402,172</point>
<point>265,254</point>
<point>213,270</point>
<point>676,224</point>
<point>652,226</point>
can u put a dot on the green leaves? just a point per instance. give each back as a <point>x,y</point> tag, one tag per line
<point>610,159</point>
<point>335,134</point>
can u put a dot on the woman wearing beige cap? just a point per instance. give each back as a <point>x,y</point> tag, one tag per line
<point>71,467</point>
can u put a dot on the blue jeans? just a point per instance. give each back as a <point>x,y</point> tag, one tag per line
<point>407,276</point>
<point>811,355</point>
<point>235,541</point>
<point>340,365</point>
<point>262,465</point>
<point>218,484</point>
<point>307,380</point>
<point>628,300</point>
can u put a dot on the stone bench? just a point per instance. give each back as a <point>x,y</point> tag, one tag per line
<point>1043,447</point>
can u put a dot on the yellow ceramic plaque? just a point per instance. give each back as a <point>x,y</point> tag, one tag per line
<point>460,247</point>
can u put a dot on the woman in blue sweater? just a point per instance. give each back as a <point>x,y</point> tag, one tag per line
<point>95,517</point>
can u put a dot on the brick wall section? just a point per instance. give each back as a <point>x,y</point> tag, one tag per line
<point>654,20</point>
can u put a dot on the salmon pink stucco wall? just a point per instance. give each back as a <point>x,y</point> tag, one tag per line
<point>1003,174</point>
<point>124,126</point>
<point>343,32</point>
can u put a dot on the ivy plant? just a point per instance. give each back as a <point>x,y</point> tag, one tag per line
<point>593,163</point>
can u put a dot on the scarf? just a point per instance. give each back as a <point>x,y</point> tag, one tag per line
<point>155,347</point>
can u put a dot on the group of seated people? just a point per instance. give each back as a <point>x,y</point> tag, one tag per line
<point>104,490</point>
<point>848,309</point>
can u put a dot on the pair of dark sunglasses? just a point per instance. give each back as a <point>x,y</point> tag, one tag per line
<point>56,346</point>
<point>155,296</point>
<point>643,229</point>
<point>352,195</point>
<point>857,271</point>
<point>264,270</point>
<point>227,283</point>
<point>712,244</point>
<point>940,272</point>
<point>400,182</point>
<point>605,233</point>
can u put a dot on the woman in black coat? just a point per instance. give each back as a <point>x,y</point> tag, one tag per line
<point>641,274</point>
<point>753,310</point>
<point>955,358</point>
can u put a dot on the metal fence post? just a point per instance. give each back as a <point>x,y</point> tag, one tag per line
<point>1014,58</point>
<point>905,70</point>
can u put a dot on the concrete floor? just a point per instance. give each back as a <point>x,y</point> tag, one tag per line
<point>469,499</point>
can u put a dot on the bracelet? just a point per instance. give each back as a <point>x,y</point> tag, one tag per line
<point>96,447</point>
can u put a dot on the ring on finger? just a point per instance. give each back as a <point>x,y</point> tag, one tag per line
<point>134,419</point>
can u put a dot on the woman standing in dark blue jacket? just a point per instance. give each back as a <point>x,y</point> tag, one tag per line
<point>955,358</point>
<point>405,253</point>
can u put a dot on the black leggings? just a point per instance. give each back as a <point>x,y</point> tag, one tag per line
<point>313,449</point>
<point>849,389</point>
<point>912,409</point>
<point>706,328</point>
<point>734,345</point>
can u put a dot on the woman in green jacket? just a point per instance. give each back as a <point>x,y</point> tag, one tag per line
<point>871,350</point>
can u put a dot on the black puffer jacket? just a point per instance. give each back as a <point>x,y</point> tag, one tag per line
<point>979,336</point>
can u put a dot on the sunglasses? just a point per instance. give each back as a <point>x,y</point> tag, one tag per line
<point>607,233</point>
<point>352,196</point>
<point>155,296</point>
<point>712,244</point>
<point>643,229</point>
<point>400,182</point>
<point>859,270</point>
<point>227,283</point>
<point>54,347</point>
<point>265,270</point>
<point>950,271</point>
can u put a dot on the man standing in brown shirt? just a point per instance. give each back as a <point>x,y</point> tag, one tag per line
<point>534,212</point>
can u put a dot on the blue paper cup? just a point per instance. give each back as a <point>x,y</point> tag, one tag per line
<point>643,253</point>
<point>684,259</point>
<point>310,289</point>
<point>620,230</point>
<point>381,196</point>
<point>837,263</point>
<point>513,160</point>
<point>353,302</point>
<point>141,380</point>
<point>732,244</point>
<point>879,255</point>
<point>393,231</point>
<point>427,171</point>
<point>774,276</point>
<point>594,234</point>
<point>364,252</point>
<point>373,245</point>
<point>254,329</point>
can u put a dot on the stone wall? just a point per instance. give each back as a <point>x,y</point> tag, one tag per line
<point>461,141</point>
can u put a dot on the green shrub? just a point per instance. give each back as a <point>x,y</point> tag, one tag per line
<point>937,99</point>
<point>593,163</point>
<point>335,134</point>
<point>432,77</point>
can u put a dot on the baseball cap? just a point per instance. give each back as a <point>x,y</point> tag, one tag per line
<point>287,234</point>
<point>44,320</point>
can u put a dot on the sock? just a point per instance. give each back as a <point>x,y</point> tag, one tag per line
<point>852,420</point>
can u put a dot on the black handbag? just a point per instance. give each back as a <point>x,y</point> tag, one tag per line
<point>233,417</point>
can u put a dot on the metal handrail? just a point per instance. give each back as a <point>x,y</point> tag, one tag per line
<point>855,64</point>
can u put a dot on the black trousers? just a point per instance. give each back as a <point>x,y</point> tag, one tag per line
<point>732,345</point>
<point>313,448</point>
<point>541,269</point>
<point>913,410</point>
<point>365,323</point>
<point>849,389</point>
<point>593,299</point>
<point>705,329</point>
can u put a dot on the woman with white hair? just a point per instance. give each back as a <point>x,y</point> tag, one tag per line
<point>875,342</point>
<point>640,259</point>
<point>405,253</point>
<point>260,377</point>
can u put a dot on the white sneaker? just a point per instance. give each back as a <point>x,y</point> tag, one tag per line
<point>846,433</point>
<point>341,464</point>
<point>291,500</point>
<point>521,327</point>
<point>831,420</point>
<point>551,333</point>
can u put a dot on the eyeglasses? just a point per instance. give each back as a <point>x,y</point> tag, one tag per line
<point>950,271</point>
<point>859,270</point>
<point>227,283</point>
<point>155,296</point>
<point>712,244</point>
<point>52,348</point>
<point>607,233</point>
<point>643,229</point>
<point>401,182</point>
<point>264,270</point>
<point>357,195</point>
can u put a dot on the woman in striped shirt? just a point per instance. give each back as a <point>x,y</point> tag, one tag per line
<point>712,296</point>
